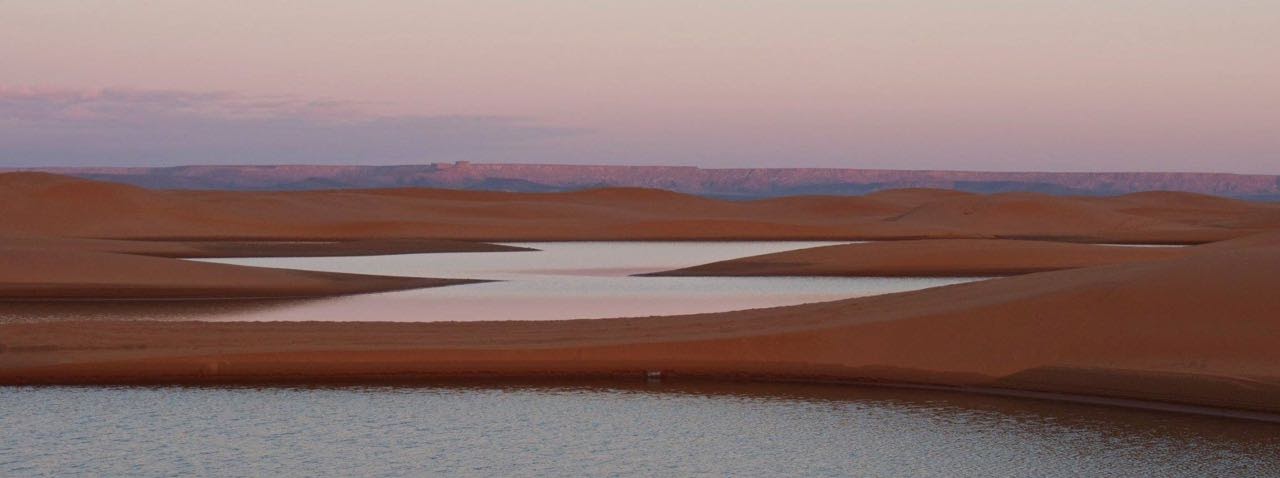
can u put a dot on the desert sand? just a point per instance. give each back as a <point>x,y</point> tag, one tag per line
<point>55,268</point>
<point>1193,328</point>
<point>45,274</point>
<point>1199,330</point>
<point>38,204</point>
<point>232,248</point>
<point>930,258</point>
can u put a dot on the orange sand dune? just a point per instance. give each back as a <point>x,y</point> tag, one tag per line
<point>1197,326</point>
<point>35,268</point>
<point>53,273</point>
<point>50,205</point>
<point>1200,329</point>
<point>930,257</point>
<point>1194,209</point>
<point>212,249</point>
<point>833,206</point>
<point>1029,215</point>
<point>1265,239</point>
<point>915,197</point>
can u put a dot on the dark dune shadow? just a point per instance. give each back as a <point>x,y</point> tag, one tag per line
<point>166,310</point>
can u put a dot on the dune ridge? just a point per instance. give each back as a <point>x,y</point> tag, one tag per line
<point>51,205</point>
<point>1192,326</point>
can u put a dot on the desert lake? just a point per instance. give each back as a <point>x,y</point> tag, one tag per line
<point>569,280</point>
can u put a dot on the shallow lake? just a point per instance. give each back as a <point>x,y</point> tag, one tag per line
<point>569,280</point>
<point>628,430</point>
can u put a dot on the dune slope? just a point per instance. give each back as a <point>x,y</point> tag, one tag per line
<point>932,257</point>
<point>215,249</point>
<point>51,273</point>
<point>1200,329</point>
<point>50,205</point>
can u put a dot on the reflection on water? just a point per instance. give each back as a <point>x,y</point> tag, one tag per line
<point>569,280</point>
<point>563,430</point>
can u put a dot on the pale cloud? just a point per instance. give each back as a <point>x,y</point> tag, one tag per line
<point>127,104</point>
<point>1119,85</point>
<point>45,126</point>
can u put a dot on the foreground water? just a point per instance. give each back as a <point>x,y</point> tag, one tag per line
<point>649,430</point>
<point>570,280</point>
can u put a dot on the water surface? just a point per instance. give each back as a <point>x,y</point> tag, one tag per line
<point>654,430</point>
<point>571,280</point>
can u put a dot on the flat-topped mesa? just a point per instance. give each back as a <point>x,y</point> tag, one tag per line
<point>756,182</point>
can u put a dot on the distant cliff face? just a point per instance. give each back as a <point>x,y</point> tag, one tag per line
<point>715,182</point>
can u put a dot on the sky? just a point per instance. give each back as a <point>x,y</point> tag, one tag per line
<point>1032,85</point>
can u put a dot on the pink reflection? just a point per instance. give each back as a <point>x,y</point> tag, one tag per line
<point>387,308</point>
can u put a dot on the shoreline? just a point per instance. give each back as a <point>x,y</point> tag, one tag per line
<point>929,258</point>
<point>1190,325</point>
<point>1140,335</point>
<point>224,248</point>
<point>502,240</point>
<point>36,274</point>
<point>971,336</point>
<point>640,377</point>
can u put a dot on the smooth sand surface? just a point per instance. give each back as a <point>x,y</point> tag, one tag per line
<point>51,205</point>
<point>54,273</point>
<point>55,268</point>
<point>930,258</point>
<point>232,248</point>
<point>1200,329</point>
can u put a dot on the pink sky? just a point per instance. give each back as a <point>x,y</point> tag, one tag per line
<point>1189,85</point>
